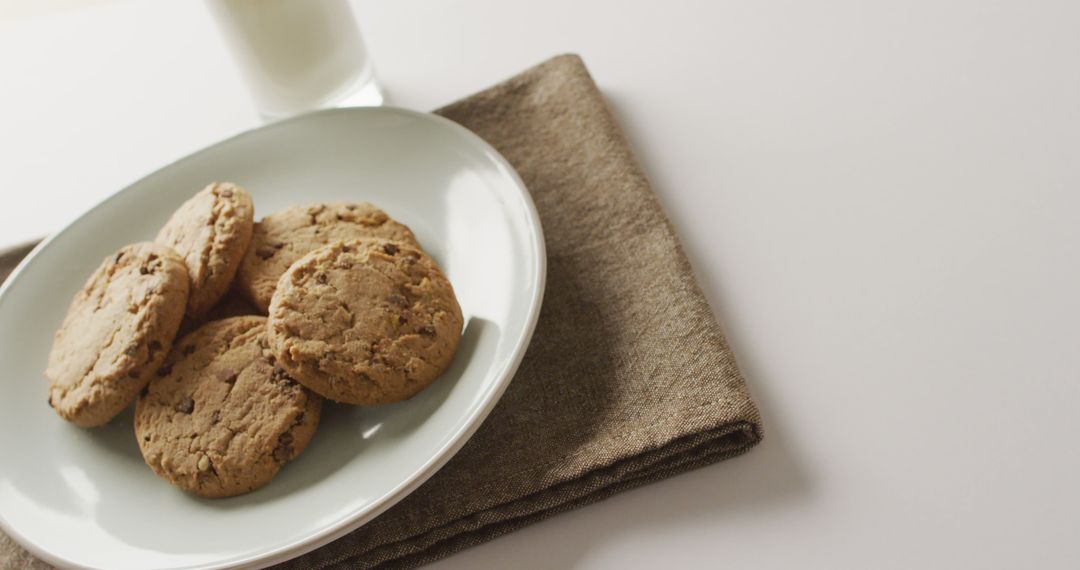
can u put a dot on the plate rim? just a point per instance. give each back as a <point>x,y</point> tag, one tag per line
<point>321,537</point>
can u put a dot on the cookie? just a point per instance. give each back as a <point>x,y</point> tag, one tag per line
<point>282,238</point>
<point>366,321</point>
<point>211,231</point>
<point>117,331</point>
<point>221,419</point>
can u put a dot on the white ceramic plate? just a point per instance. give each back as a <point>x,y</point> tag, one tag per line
<point>84,498</point>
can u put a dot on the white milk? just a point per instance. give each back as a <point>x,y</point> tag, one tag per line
<point>297,55</point>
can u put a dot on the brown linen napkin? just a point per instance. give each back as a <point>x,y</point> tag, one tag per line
<point>628,378</point>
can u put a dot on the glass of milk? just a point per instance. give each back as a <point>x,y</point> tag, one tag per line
<point>298,55</point>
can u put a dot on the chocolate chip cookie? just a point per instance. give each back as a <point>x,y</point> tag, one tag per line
<point>222,418</point>
<point>118,329</point>
<point>366,321</point>
<point>211,231</point>
<point>282,238</point>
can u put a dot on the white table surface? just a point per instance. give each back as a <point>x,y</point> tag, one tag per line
<point>881,200</point>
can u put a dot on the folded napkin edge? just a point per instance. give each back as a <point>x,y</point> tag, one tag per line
<point>686,454</point>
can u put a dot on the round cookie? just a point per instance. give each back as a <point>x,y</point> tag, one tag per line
<point>117,331</point>
<point>365,321</point>
<point>282,238</point>
<point>221,419</point>
<point>211,231</point>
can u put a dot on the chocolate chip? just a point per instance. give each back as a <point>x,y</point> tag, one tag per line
<point>284,450</point>
<point>299,419</point>
<point>278,245</point>
<point>164,371</point>
<point>322,278</point>
<point>154,347</point>
<point>398,300</point>
<point>134,374</point>
<point>339,217</point>
<point>390,249</point>
<point>279,375</point>
<point>401,319</point>
<point>345,249</point>
<point>427,331</point>
<point>118,257</point>
<point>186,406</point>
<point>227,376</point>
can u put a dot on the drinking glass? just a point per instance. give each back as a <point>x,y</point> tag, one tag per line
<point>298,55</point>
